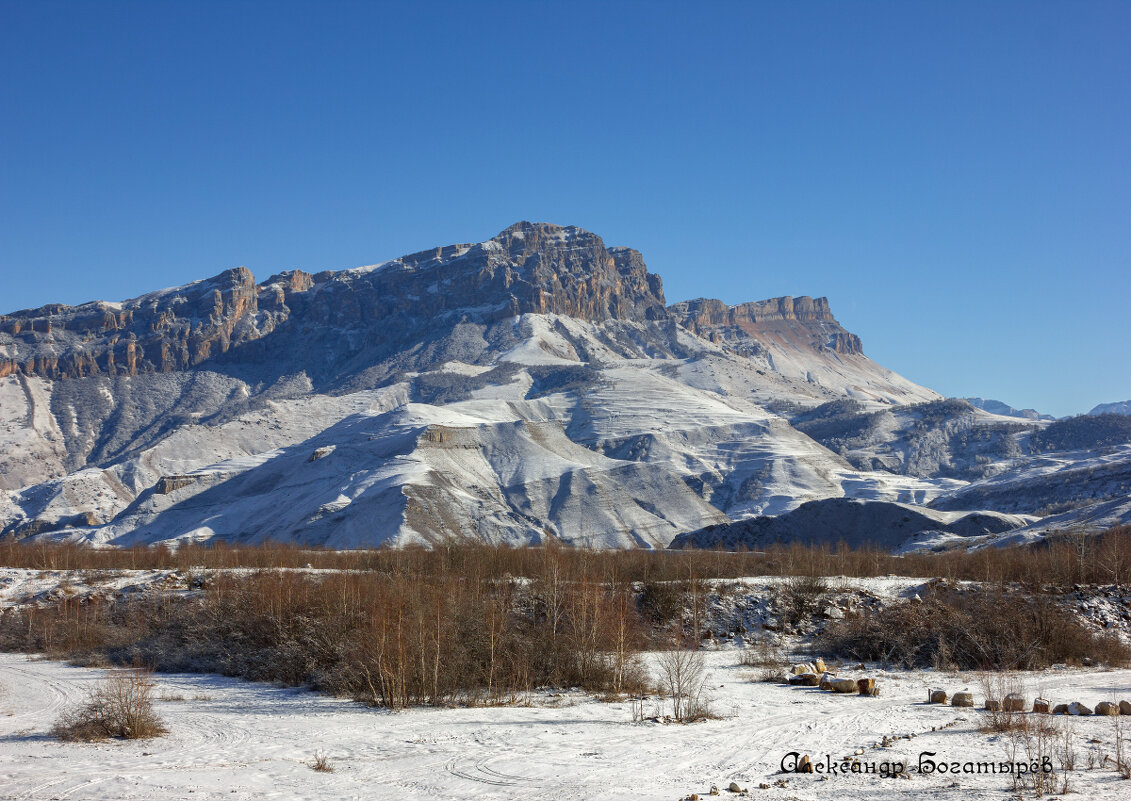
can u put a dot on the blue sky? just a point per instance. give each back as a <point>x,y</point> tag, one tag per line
<point>954,176</point>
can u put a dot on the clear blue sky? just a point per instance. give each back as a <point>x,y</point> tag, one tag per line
<point>954,176</point>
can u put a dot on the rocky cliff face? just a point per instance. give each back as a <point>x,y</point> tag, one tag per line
<point>804,320</point>
<point>160,332</point>
<point>529,267</point>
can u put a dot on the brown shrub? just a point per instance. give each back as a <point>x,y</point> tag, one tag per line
<point>975,629</point>
<point>1062,560</point>
<point>121,706</point>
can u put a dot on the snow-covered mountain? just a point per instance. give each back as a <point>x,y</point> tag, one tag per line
<point>1120,407</point>
<point>1005,410</point>
<point>532,386</point>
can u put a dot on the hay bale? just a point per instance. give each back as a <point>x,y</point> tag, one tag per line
<point>1107,708</point>
<point>962,699</point>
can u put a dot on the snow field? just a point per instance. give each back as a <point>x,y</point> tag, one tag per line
<point>237,740</point>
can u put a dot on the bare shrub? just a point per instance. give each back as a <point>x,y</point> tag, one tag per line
<point>972,629</point>
<point>1060,561</point>
<point>683,675</point>
<point>321,763</point>
<point>1034,740</point>
<point>121,706</point>
<point>768,658</point>
<point>1122,758</point>
<point>1001,717</point>
<point>801,596</point>
<point>663,602</point>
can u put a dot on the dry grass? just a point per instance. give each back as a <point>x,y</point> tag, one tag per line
<point>321,763</point>
<point>121,706</point>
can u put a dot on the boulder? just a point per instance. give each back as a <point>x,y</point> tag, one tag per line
<point>820,665</point>
<point>1107,708</point>
<point>805,765</point>
<point>962,699</point>
<point>866,686</point>
<point>1041,706</point>
<point>1014,702</point>
<point>993,705</point>
<point>800,669</point>
<point>843,685</point>
<point>1125,707</point>
<point>938,696</point>
<point>806,680</point>
<point>1077,708</point>
<point>1060,709</point>
<point>734,788</point>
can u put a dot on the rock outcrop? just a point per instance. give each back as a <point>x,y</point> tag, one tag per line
<point>803,320</point>
<point>529,267</point>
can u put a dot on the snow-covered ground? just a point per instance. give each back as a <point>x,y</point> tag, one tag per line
<point>236,740</point>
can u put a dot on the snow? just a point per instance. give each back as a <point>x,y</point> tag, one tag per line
<point>235,740</point>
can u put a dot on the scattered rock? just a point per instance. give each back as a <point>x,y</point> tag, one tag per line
<point>734,788</point>
<point>938,696</point>
<point>1041,706</point>
<point>1107,708</point>
<point>1125,707</point>
<point>866,686</point>
<point>1060,709</point>
<point>1077,708</point>
<point>962,699</point>
<point>1014,702</point>
<point>842,685</point>
<point>993,705</point>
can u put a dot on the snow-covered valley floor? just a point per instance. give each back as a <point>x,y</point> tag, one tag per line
<point>232,739</point>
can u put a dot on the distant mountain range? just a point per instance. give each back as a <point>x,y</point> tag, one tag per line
<point>530,387</point>
<point>1122,407</point>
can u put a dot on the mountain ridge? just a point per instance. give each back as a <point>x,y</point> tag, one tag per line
<point>532,386</point>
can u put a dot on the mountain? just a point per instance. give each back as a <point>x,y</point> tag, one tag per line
<point>532,386</point>
<point>1122,407</point>
<point>894,526</point>
<point>1005,410</point>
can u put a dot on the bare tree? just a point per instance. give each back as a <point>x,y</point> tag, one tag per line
<point>683,674</point>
